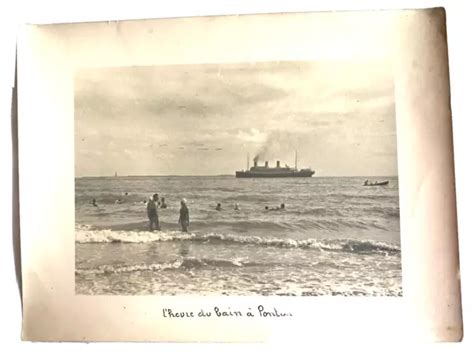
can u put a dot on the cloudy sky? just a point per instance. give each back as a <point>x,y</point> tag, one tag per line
<point>204,119</point>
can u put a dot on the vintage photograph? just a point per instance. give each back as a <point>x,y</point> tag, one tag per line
<point>240,179</point>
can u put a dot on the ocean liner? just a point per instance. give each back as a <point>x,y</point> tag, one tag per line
<point>277,171</point>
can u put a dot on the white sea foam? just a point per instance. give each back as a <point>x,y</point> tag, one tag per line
<point>180,262</point>
<point>85,234</point>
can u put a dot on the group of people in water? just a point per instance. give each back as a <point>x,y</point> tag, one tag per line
<point>152,210</point>
<point>281,207</point>
<point>154,203</point>
<point>237,207</point>
<point>219,206</point>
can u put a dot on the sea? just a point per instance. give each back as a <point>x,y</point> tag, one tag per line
<point>334,237</point>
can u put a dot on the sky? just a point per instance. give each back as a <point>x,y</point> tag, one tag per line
<point>204,119</point>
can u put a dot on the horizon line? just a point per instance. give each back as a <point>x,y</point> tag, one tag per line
<point>222,175</point>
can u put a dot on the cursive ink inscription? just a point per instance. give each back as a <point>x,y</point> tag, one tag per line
<point>274,313</point>
<point>227,312</point>
<point>169,313</point>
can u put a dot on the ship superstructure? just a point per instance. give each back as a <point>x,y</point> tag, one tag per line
<point>277,171</point>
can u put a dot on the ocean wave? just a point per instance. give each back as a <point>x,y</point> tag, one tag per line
<point>247,198</point>
<point>85,234</point>
<point>385,211</point>
<point>179,263</point>
<point>110,198</point>
<point>238,225</point>
<point>356,198</point>
<point>286,222</point>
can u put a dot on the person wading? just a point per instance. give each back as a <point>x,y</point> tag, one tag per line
<point>152,211</point>
<point>184,216</point>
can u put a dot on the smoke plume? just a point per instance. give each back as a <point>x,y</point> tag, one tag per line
<point>278,145</point>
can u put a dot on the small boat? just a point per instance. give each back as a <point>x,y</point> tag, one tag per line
<point>376,183</point>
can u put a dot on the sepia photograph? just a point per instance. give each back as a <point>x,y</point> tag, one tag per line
<point>248,178</point>
<point>238,178</point>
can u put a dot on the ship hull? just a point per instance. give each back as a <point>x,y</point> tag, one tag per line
<point>254,174</point>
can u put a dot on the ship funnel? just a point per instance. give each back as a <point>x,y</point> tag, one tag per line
<point>278,163</point>
<point>266,163</point>
<point>255,163</point>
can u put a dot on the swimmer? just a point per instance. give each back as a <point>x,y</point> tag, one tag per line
<point>94,203</point>
<point>281,207</point>
<point>236,206</point>
<point>218,207</point>
<point>184,216</point>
